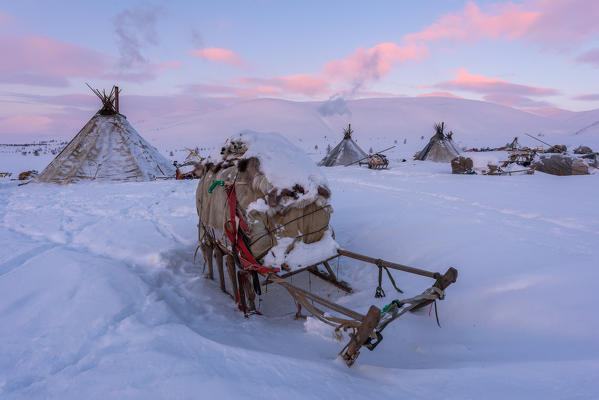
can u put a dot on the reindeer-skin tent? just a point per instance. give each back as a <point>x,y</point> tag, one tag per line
<point>346,152</point>
<point>440,147</point>
<point>108,148</point>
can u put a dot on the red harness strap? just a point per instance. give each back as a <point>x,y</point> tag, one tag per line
<point>235,235</point>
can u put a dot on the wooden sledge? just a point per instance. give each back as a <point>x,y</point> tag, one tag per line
<point>365,330</point>
<point>232,248</point>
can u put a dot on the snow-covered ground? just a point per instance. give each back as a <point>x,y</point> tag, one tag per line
<point>100,298</point>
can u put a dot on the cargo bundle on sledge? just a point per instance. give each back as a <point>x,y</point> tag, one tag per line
<point>264,208</point>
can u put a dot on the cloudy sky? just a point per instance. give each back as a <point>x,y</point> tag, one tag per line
<point>535,55</point>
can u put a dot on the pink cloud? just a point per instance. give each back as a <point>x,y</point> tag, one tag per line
<point>481,84</point>
<point>170,65</point>
<point>39,60</point>
<point>551,22</point>
<point>214,54</point>
<point>303,84</point>
<point>508,21</point>
<point>563,22</point>
<point>25,124</point>
<point>4,18</point>
<point>590,57</point>
<point>292,84</point>
<point>440,94</point>
<point>533,20</point>
<point>371,64</point>
<point>42,61</point>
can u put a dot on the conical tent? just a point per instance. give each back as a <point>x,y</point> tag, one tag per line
<point>440,147</point>
<point>108,148</point>
<point>346,152</point>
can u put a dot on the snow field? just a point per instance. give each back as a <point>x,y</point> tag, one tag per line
<point>100,297</point>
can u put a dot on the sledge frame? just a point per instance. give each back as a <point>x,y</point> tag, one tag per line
<point>365,329</point>
<point>328,275</point>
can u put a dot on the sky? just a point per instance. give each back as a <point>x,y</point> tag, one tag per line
<point>534,55</point>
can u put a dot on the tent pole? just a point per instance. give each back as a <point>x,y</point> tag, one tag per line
<point>116,99</point>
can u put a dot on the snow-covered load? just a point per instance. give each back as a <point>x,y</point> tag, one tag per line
<point>280,193</point>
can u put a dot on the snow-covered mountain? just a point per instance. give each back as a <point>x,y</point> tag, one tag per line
<point>377,122</point>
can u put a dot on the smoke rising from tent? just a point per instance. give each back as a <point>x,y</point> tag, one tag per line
<point>334,105</point>
<point>135,28</point>
<point>196,38</point>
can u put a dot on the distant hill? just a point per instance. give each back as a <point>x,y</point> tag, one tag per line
<point>377,123</point>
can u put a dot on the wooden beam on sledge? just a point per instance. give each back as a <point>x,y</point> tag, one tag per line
<point>388,264</point>
<point>330,305</point>
<point>330,278</point>
<point>297,271</point>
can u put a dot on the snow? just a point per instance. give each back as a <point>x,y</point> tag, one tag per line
<point>17,163</point>
<point>482,160</point>
<point>100,297</point>
<point>283,163</point>
<point>259,205</point>
<point>302,254</point>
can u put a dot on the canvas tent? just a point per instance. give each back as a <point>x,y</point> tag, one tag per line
<point>346,152</point>
<point>440,147</point>
<point>107,148</point>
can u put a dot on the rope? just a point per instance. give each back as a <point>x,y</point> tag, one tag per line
<point>324,228</point>
<point>392,280</point>
<point>379,290</point>
<point>290,221</point>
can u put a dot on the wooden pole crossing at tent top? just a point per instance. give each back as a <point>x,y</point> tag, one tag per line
<point>110,101</point>
<point>347,132</point>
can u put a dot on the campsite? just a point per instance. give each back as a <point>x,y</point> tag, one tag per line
<point>212,201</point>
<point>138,240</point>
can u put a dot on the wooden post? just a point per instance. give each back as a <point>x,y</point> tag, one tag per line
<point>116,99</point>
<point>230,263</point>
<point>207,251</point>
<point>218,255</point>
